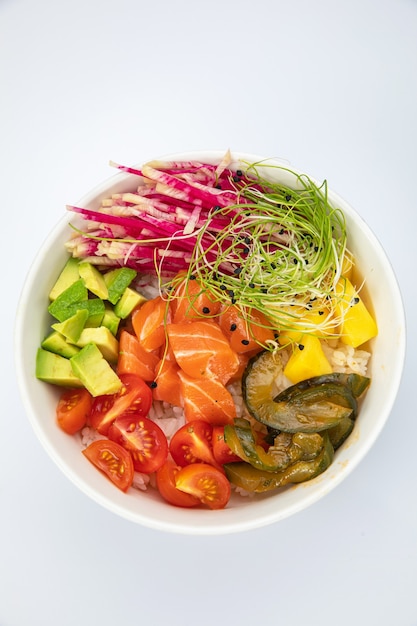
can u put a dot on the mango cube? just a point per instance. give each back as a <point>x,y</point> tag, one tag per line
<point>307,360</point>
<point>358,325</point>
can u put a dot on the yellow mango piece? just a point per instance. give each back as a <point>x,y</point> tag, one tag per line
<point>307,360</point>
<point>311,324</point>
<point>358,325</point>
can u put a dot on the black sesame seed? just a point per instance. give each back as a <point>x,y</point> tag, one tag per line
<point>233,327</point>
<point>239,173</point>
<point>321,312</point>
<point>153,385</point>
<point>236,179</point>
<point>245,251</point>
<point>316,248</point>
<point>273,266</point>
<point>264,290</point>
<point>218,186</point>
<point>223,287</point>
<point>252,285</point>
<point>300,346</point>
<point>288,197</point>
<point>192,277</point>
<point>355,301</point>
<point>231,293</point>
<point>217,207</point>
<point>237,271</point>
<point>245,342</point>
<point>295,261</point>
<point>206,310</point>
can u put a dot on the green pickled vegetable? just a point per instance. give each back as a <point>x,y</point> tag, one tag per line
<point>339,433</point>
<point>256,480</point>
<point>312,405</point>
<point>286,449</point>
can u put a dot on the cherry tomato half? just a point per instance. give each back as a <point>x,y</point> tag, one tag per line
<point>165,481</point>
<point>112,460</point>
<point>134,396</point>
<point>221,451</point>
<point>143,438</point>
<point>205,482</point>
<point>73,410</point>
<point>192,444</point>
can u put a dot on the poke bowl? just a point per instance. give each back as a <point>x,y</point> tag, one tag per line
<point>256,248</point>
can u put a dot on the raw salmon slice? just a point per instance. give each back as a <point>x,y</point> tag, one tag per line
<point>202,351</point>
<point>247,330</point>
<point>149,321</point>
<point>191,301</point>
<point>207,400</point>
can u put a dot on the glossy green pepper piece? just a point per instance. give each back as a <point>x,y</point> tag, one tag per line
<point>339,433</point>
<point>310,406</point>
<point>286,449</point>
<point>255,480</point>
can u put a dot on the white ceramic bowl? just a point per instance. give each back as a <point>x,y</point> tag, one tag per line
<point>388,349</point>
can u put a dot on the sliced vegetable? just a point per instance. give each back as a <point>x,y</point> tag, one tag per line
<point>286,449</point>
<point>255,480</point>
<point>205,482</point>
<point>192,443</point>
<point>143,438</point>
<point>73,410</point>
<point>165,481</point>
<point>310,406</point>
<point>112,460</point>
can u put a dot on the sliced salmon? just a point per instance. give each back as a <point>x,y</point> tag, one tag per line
<point>134,359</point>
<point>149,322</point>
<point>207,400</point>
<point>202,351</point>
<point>192,301</point>
<point>167,383</point>
<point>247,330</point>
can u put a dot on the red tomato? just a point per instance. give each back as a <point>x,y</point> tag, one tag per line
<point>143,438</point>
<point>192,444</point>
<point>113,461</point>
<point>205,482</point>
<point>135,396</point>
<point>221,451</point>
<point>73,409</point>
<point>165,481</point>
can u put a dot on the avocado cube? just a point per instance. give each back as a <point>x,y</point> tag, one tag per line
<point>95,308</point>
<point>57,343</point>
<point>72,327</point>
<point>110,320</point>
<point>103,339</point>
<point>129,301</point>
<point>117,281</point>
<point>93,279</point>
<point>55,369</point>
<point>63,306</point>
<point>67,277</point>
<point>94,371</point>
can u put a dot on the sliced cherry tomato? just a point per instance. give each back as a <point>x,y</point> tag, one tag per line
<point>73,410</point>
<point>221,451</point>
<point>143,438</point>
<point>134,396</point>
<point>165,481</point>
<point>192,444</point>
<point>205,482</point>
<point>113,461</point>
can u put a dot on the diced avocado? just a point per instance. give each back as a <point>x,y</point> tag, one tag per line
<point>93,279</point>
<point>95,308</point>
<point>110,320</point>
<point>103,339</point>
<point>94,371</point>
<point>72,327</point>
<point>68,300</point>
<point>55,369</point>
<point>67,277</point>
<point>117,281</point>
<point>129,301</point>
<point>55,342</point>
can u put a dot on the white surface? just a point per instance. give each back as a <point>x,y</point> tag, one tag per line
<point>330,86</point>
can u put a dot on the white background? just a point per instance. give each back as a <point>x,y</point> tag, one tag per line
<point>330,86</point>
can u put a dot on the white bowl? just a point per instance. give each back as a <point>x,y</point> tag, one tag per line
<point>146,508</point>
